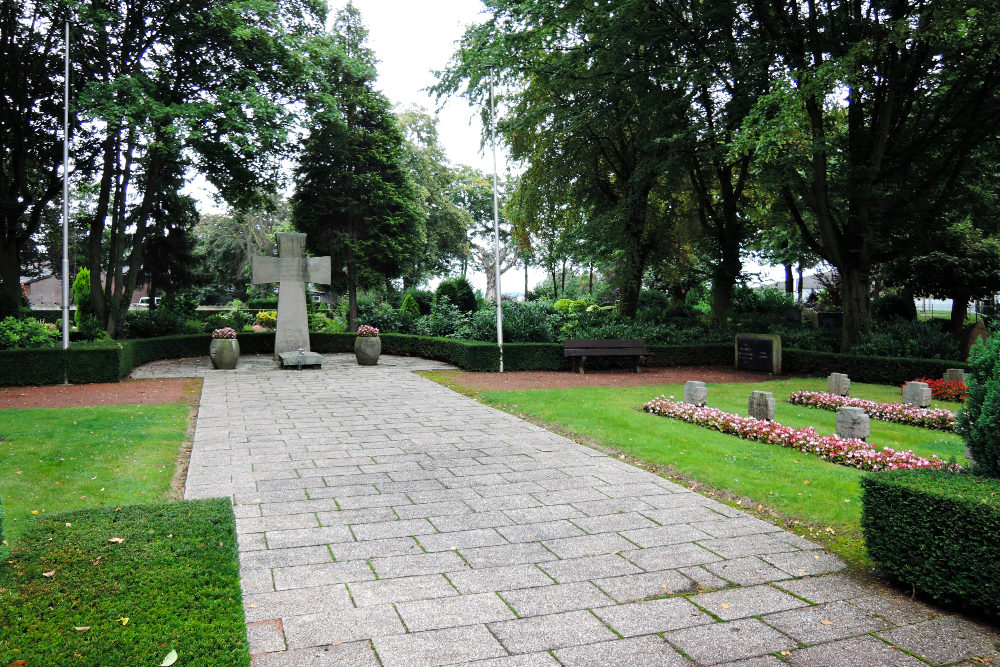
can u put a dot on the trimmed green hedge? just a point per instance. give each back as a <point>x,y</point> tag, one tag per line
<point>936,531</point>
<point>2,538</point>
<point>873,370</point>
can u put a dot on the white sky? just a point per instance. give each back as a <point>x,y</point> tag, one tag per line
<point>411,38</point>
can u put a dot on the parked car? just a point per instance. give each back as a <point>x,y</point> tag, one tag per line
<point>144,302</point>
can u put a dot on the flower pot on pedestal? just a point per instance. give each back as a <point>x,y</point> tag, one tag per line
<point>367,350</point>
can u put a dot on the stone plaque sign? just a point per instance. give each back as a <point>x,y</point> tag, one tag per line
<point>758,352</point>
<point>955,375</point>
<point>831,320</point>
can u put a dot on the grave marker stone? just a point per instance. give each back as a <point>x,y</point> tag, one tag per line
<point>917,393</point>
<point>759,352</point>
<point>291,269</point>
<point>830,320</point>
<point>695,392</point>
<point>838,384</point>
<point>853,423</point>
<point>955,375</point>
<point>761,405</point>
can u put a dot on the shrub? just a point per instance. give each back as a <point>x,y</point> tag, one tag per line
<point>82,298</point>
<point>380,315</point>
<point>892,306</point>
<point>444,319</point>
<point>424,299</point>
<point>875,370</point>
<point>28,333</point>
<point>979,418</point>
<point>159,322</point>
<point>410,308</point>
<point>267,319</point>
<point>899,338</point>
<point>459,292</point>
<point>936,531</point>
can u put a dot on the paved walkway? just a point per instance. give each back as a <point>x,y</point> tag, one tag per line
<point>384,519</point>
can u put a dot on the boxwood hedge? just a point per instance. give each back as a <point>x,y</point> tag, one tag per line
<point>110,361</point>
<point>936,531</point>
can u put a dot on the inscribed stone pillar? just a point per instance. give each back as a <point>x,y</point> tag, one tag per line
<point>838,384</point>
<point>955,375</point>
<point>917,393</point>
<point>853,423</point>
<point>695,393</point>
<point>760,405</point>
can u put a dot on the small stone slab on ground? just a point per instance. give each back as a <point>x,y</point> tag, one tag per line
<point>301,360</point>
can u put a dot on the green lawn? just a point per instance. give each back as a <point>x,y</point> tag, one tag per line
<point>57,459</point>
<point>823,497</point>
<point>170,584</point>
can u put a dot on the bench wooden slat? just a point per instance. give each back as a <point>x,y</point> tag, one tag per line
<point>580,349</point>
<point>604,342</point>
<point>606,352</point>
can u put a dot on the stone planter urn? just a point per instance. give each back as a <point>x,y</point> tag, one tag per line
<point>225,353</point>
<point>367,346</point>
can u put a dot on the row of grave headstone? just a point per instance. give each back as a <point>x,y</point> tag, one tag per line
<point>914,393</point>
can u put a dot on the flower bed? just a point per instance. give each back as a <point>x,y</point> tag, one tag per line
<point>849,452</point>
<point>898,413</point>
<point>946,390</point>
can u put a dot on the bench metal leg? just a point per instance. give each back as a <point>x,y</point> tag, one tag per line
<point>583,362</point>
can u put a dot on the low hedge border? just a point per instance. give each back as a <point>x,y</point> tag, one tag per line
<point>936,531</point>
<point>110,361</point>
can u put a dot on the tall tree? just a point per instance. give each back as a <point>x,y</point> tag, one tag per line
<point>876,109</point>
<point>583,99</point>
<point>355,198</point>
<point>31,115</point>
<point>443,224</point>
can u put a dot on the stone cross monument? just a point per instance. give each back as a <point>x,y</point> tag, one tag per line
<point>291,269</point>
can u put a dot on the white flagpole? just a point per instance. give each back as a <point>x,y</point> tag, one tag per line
<point>65,248</point>
<point>496,219</point>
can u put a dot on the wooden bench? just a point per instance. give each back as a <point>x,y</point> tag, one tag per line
<point>579,350</point>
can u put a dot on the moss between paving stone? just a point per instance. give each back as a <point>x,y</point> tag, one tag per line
<point>171,583</point>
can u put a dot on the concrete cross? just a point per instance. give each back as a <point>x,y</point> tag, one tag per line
<point>291,270</point>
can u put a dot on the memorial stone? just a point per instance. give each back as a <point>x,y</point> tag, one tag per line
<point>853,423</point>
<point>917,393</point>
<point>761,405</point>
<point>955,375</point>
<point>838,384</point>
<point>695,392</point>
<point>291,269</point>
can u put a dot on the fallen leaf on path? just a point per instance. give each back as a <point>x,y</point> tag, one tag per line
<point>169,659</point>
<point>81,628</point>
<point>337,643</point>
<point>123,620</point>
<point>825,622</point>
<point>724,605</point>
<point>49,574</point>
<point>116,540</point>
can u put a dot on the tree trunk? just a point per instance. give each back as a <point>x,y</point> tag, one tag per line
<point>800,282</point>
<point>854,288</point>
<point>591,278</point>
<point>724,275</point>
<point>10,270</point>
<point>789,280</point>
<point>563,284</point>
<point>525,279</point>
<point>959,310</point>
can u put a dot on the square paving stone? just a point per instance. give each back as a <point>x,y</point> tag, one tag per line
<point>858,652</point>
<point>703,579</point>
<point>744,525</point>
<point>402,589</point>
<point>438,647</point>
<point>670,556</point>
<point>453,611</point>
<point>265,636</point>
<point>303,537</point>
<point>650,651</point>
<point>690,514</point>
<point>295,602</point>
<point>643,618</point>
<point>461,539</point>
<point>453,523</point>
<point>425,510</point>
<point>525,660</point>
<point>418,563</point>
<point>635,587</point>
<point>394,546</point>
<point>734,640</point>
<point>826,588</point>
<point>555,599</point>
<point>543,513</point>
<point>747,571</point>
<point>748,545</point>
<point>661,535</point>
<point>588,545</point>
<point>256,581</point>
<point>507,554</point>
<point>535,532</point>
<point>613,506</point>
<point>762,661</point>
<point>897,609</point>
<point>387,529</point>
<point>352,654</point>
<point>825,622</point>
<point>343,625</point>
<point>307,576</point>
<point>543,633</point>
<point>804,563</point>
<point>506,578</point>
<point>745,602</point>
<point>611,523</point>
<point>590,567</point>
<point>946,639</point>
